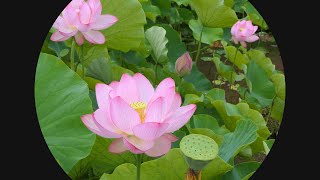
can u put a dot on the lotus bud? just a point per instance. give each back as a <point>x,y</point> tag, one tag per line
<point>184,64</point>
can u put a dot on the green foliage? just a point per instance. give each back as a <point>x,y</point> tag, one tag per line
<point>148,38</point>
<point>61,98</point>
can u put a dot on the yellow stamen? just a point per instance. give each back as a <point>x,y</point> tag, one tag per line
<point>140,107</point>
<point>241,29</point>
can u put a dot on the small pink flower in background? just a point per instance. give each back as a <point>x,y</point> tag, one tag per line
<point>83,20</point>
<point>243,31</point>
<point>184,64</point>
<point>140,117</point>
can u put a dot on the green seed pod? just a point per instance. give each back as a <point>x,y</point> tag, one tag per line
<point>199,150</point>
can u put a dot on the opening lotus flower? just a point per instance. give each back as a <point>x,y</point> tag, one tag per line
<point>83,20</point>
<point>243,31</point>
<point>140,117</point>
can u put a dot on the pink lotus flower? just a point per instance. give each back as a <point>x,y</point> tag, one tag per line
<point>184,64</point>
<point>140,117</point>
<point>243,31</point>
<point>82,19</point>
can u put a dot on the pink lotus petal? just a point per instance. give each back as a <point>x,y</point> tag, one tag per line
<point>180,117</point>
<point>70,16</point>
<point>244,44</point>
<point>140,144</point>
<point>103,22</point>
<point>171,137</point>
<point>117,146</point>
<point>252,38</point>
<point>145,89</point>
<point>150,130</point>
<point>161,146</point>
<point>102,95</point>
<point>123,115</point>
<point>79,38</point>
<point>57,36</point>
<point>255,28</point>
<point>57,22</point>
<point>165,84</point>
<point>102,116</point>
<point>156,110</point>
<point>85,13</point>
<point>127,89</point>
<point>131,147</point>
<point>76,3</point>
<point>92,124</point>
<point>176,103</point>
<point>94,37</point>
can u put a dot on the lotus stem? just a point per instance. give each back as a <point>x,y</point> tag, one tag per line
<point>234,61</point>
<point>139,158</point>
<point>199,46</point>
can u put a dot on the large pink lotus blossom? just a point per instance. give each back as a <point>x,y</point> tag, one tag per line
<point>243,31</point>
<point>140,117</point>
<point>82,19</point>
<point>183,64</point>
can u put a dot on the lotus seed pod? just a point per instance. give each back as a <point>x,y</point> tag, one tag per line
<point>199,150</point>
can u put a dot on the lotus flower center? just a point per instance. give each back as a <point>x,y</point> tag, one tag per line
<point>241,29</point>
<point>140,107</point>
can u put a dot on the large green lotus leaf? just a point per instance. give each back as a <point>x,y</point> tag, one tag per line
<point>235,57</point>
<point>184,2</point>
<point>170,166</point>
<point>225,71</point>
<point>156,37</point>
<point>213,13</point>
<point>215,168</point>
<point>268,145</point>
<point>231,113</point>
<point>216,94</point>
<point>241,171</point>
<point>175,46</point>
<point>255,16</point>
<point>229,3</point>
<point>105,71</point>
<point>92,52</point>
<point>187,88</point>
<point>100,160</point>
<point>151,11</point>
<point>209,35</point>
<point>256,117</point>
<point>262,60</point>
<point>209,122</point>
<point>128,33</point>
<point>61,98</point>
<point>262,89</point>
<point>185,14</point>
<point>59,48</point>
<point>198,79</point>
<point>244,134</point>
<point>277,109</point>
<point>280,85</point>
<point>192,99</point>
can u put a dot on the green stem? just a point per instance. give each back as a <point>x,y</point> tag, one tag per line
<point>139,157</point>
<point>199,46</point>
<point>82,64</point>
<point>234,61</point>
<point>72,55</point>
